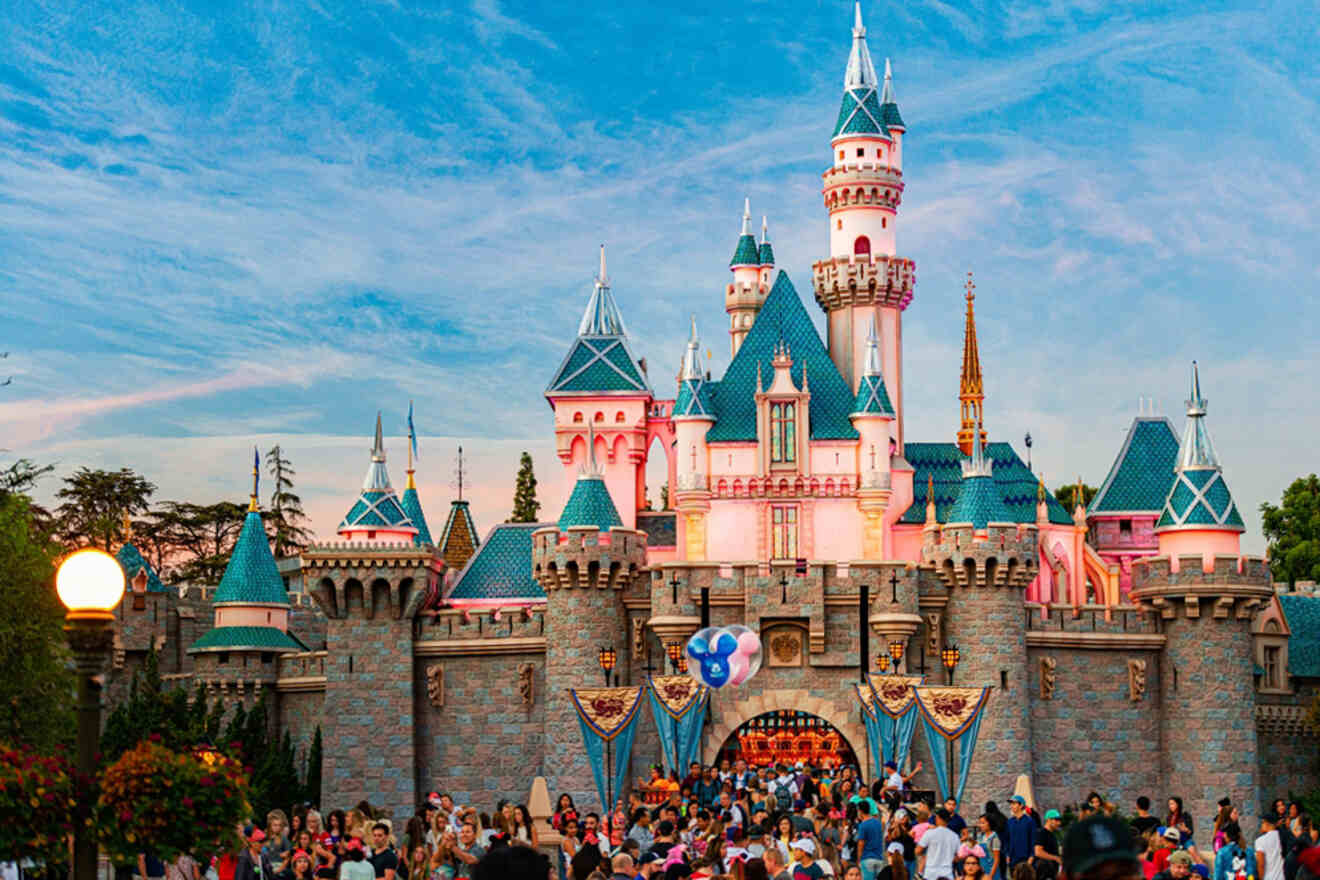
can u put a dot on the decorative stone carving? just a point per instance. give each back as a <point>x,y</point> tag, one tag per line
<point>435,684</point>
<point>1047,667</point>
<point>526,676</point>
<point>932,633</point>
<point>785,647</point>
<point>638,637</point>
<point>1136,680</point>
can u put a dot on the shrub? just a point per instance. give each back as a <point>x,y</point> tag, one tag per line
<point>36,806</point>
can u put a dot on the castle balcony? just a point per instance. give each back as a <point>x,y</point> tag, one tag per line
<point>1231,586</point>
<point>874,280</point>
<point>1002,556</point>
<point>586,557</point>
<point>866,171</point>
<point>301,672</point>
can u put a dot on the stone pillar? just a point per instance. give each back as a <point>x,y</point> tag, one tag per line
<point>986,620</point>
<point>1208,719</point>
<point>583,573</point>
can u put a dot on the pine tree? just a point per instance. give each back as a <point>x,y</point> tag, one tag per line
<point>312,786</point>
<point>525,505</point>
<point>286,517</point>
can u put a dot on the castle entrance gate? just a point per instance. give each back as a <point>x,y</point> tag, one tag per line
<point>787,736</point>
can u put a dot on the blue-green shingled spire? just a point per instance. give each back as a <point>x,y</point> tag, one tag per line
<point>889,114</point>
<point>693,390</point>
<point>590,503</point>
<point>251,577</point>
<point>872,397</point>
<point>1199,497</point>
<point>599,359</point>
<point>979,500</point>
<point>860,112</point>
<point>765,251</point>
<point>746,253</point>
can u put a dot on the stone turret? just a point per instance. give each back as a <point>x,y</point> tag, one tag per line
<point>986,562</point>
<point>584,563</point>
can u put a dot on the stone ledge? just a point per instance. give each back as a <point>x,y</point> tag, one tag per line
<point>302,684</point>
<point>471,647</point>
<point>1098,641</point>
<point>1286,720</point>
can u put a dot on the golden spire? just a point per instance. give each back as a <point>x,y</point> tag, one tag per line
<point>970,390</point>
<point>256,461</point>
<point>128,528</point>
<point>930,499</point>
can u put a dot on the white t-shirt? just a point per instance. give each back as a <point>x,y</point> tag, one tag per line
<point>941,846</point>
<point>1268,843</point>
<point>895,780</point>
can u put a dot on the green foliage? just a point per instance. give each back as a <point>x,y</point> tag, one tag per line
<point>151,711</point>
<point>284,520</point>
<point>525,505</point>
<point>93,504</point>
<point>1067,495</point>
<point>275,778</point>
<point>1293,531</point>
<point>312,779</point>
<point>200,537</point>
<point>37,707</point>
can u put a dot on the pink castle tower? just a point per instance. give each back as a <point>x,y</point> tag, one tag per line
<point>752,267</point>
<point>863,278</point>
<point>377,516</point>
<point>602,386</point>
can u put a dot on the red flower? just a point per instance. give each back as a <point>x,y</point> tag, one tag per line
<point>188,802</point>
<point>155,737</point>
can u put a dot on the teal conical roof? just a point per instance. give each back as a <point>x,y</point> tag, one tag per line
<point>693,390</point>
<point>412,508</point>
<point>1199,497</point>
<point>251,577</point>
<point>1141,475</point>
<point>746,253</point>
<point>590,505</point>
<point>765,253</point>
<point>377,507</point>
<point>979,500</point>
<point>860,112</point>
<point>872,397</point>
<point>600,359</point>
<point>889,114</point>
<point>134,564</point>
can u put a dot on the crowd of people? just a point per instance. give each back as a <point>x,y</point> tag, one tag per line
<point>778,823</point>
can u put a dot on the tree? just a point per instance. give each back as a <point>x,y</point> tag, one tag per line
<point>94,503</point>
<point>312,779</point>
<point>37,707</point>
<point>1067,495</point>
<point>286,517</point>
<point>525,505</point>
<point>200,537</point>
<point>19,479</point>
<point>1293,531</point>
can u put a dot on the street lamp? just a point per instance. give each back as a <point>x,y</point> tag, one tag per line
<point>674,651</point>
<point>896,652</point>
<point>607,658</point>
<point>951,655</point>
<point>90,583</point>
<point>882,661</point>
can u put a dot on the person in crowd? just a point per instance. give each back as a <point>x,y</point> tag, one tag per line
<point>1179,819</point>
<point>805,866</point>
<point>988,841</point>
<point>969,867</point>
<point>253,863</point>
<point>277,839</point>
<point>1180,866</point>
<point>776,866</point>
<point>937,849</point>
<point>956,823</point>
<point>1233,860</point>
<point>384,860</point>
<point>1100,848</point>
<point>355,865</point>
<point>563,809</point>
<point>1046,856</point>
<point>870,841</point>
<point>1269,849</point>
<point>1144,822</point>
<point>522,831</point>
<point>1020,832</point>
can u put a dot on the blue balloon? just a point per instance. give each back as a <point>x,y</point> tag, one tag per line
<point>711,648</point>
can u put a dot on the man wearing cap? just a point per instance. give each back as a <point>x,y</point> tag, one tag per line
<point>1020,835</point>
<point>804,851</point>
<point>870,835</point>
<point>937,849</point>
<point>1100,848</point>
<point>1269,850</point>
<point>253,863</point>
<point>1045,855</point>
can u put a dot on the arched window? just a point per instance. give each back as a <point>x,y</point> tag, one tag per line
<point>577,416</point>
<point>783,432</point>
<point>737,487</point>
<point>618,417</point>
<point>862,246</point>
<point>600,417</point>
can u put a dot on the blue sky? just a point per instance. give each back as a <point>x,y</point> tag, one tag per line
<point>236,223</point>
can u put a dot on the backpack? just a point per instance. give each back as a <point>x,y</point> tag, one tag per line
<point>783,794</point>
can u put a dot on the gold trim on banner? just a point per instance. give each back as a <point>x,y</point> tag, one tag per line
<point>950,710</point>
<point>677,693</point>
<point>865,698</point>
<point>607,710</point>
<point>894,694</point>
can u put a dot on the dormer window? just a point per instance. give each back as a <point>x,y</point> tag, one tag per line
<point>783,433</point>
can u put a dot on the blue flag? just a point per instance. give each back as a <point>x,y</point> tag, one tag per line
<point>412,432</point>
<point>256,471</point>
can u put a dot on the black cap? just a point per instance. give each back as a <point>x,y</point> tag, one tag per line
<point>1097,840</point>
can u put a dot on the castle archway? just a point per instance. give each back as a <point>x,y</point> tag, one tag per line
<point>787,736</point>
<point>729,715</point>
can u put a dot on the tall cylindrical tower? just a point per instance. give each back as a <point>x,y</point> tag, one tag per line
<point>863,279</point>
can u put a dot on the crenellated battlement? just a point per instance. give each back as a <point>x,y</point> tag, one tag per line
<point>1233,585</point>
<point>584,556</point>
<point>877,280</point>
<point>1002,555</point>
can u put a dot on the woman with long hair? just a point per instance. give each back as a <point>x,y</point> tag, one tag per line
<point>443,865</point>
<point>563,807</point>
<point>1178,817</point>
<point>1224,816</point>
<point>988,841</point>
<point>895,868</point>
<point>969,867</point>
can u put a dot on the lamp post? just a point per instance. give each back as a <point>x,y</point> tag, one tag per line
<point>882,662</point>
<point>951,655</point>
<point>674,650</point>
<point>896,652</point>
<point>90,583</point>
<point>607,657</point>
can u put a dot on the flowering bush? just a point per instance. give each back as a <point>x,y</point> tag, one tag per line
<point>173,801</point>
<point>36,806</point>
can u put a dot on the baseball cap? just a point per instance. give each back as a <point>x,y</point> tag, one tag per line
<point>1171,833</point>
<point>894,847</point>
<point>1018,799</point>
<point>1052,814</point>
<point>890,765</point>
<point>1095,841</point>
<point>1181,857</point>
<point>352,843</point>
<point>257,835</point>
<point>805,844</point>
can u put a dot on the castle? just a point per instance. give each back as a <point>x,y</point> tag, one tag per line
<point>1129,645</point>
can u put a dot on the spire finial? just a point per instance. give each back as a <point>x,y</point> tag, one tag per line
<point>871,363</point>
<point>691,368</point>
<point>591,468</point>
<point>859,29</point>
<point>978,465</point>
<point>971,394</point>
<point>887,92</point>
<point>1195,402</point>
<point>930,499</point>
<point>253,506</point>
<point>747,215</point>
<point>412,446</point>
<point>378,449</point>
<point>765,235</point>
<point>602,279</point>
<point>860,74</point>
<point>1040,489</point>
<point>460,472</point>
<point>128,528</point>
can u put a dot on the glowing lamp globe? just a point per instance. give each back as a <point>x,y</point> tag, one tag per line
<point>90,582</point>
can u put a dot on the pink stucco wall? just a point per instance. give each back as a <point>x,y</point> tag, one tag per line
<point>239,616</point>
<point>1205,543</point>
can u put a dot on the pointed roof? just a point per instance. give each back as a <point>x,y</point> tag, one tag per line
<point>746,252</point>
<point>765,252</point>
<point>248,638</point>
<point>872,397</point>
<point>860,112</point>
<point>888,103</point>
<point>501,569</point>
<point>459,540</point>
<point>590,504</point>
<point>979,501</point>
<point>251,577</point>
<point>693,390</point>
<point>133,563</point>
<point>937,468</point>
<point>782,319</point>
<point>1199,497</point>
<point>1140,477</point>
<point>971,390</point>
<point>599,360</point>
<point>412,508</point>
<point>377,507</point>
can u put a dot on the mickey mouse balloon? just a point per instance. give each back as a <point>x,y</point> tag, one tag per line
<point>724,655</point>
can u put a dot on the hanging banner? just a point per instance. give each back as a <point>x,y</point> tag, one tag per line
<point>951,717</point>
<point>678,703</point>
<point>866,699</point>
<point>608,716</point>
<point>896,714</point>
